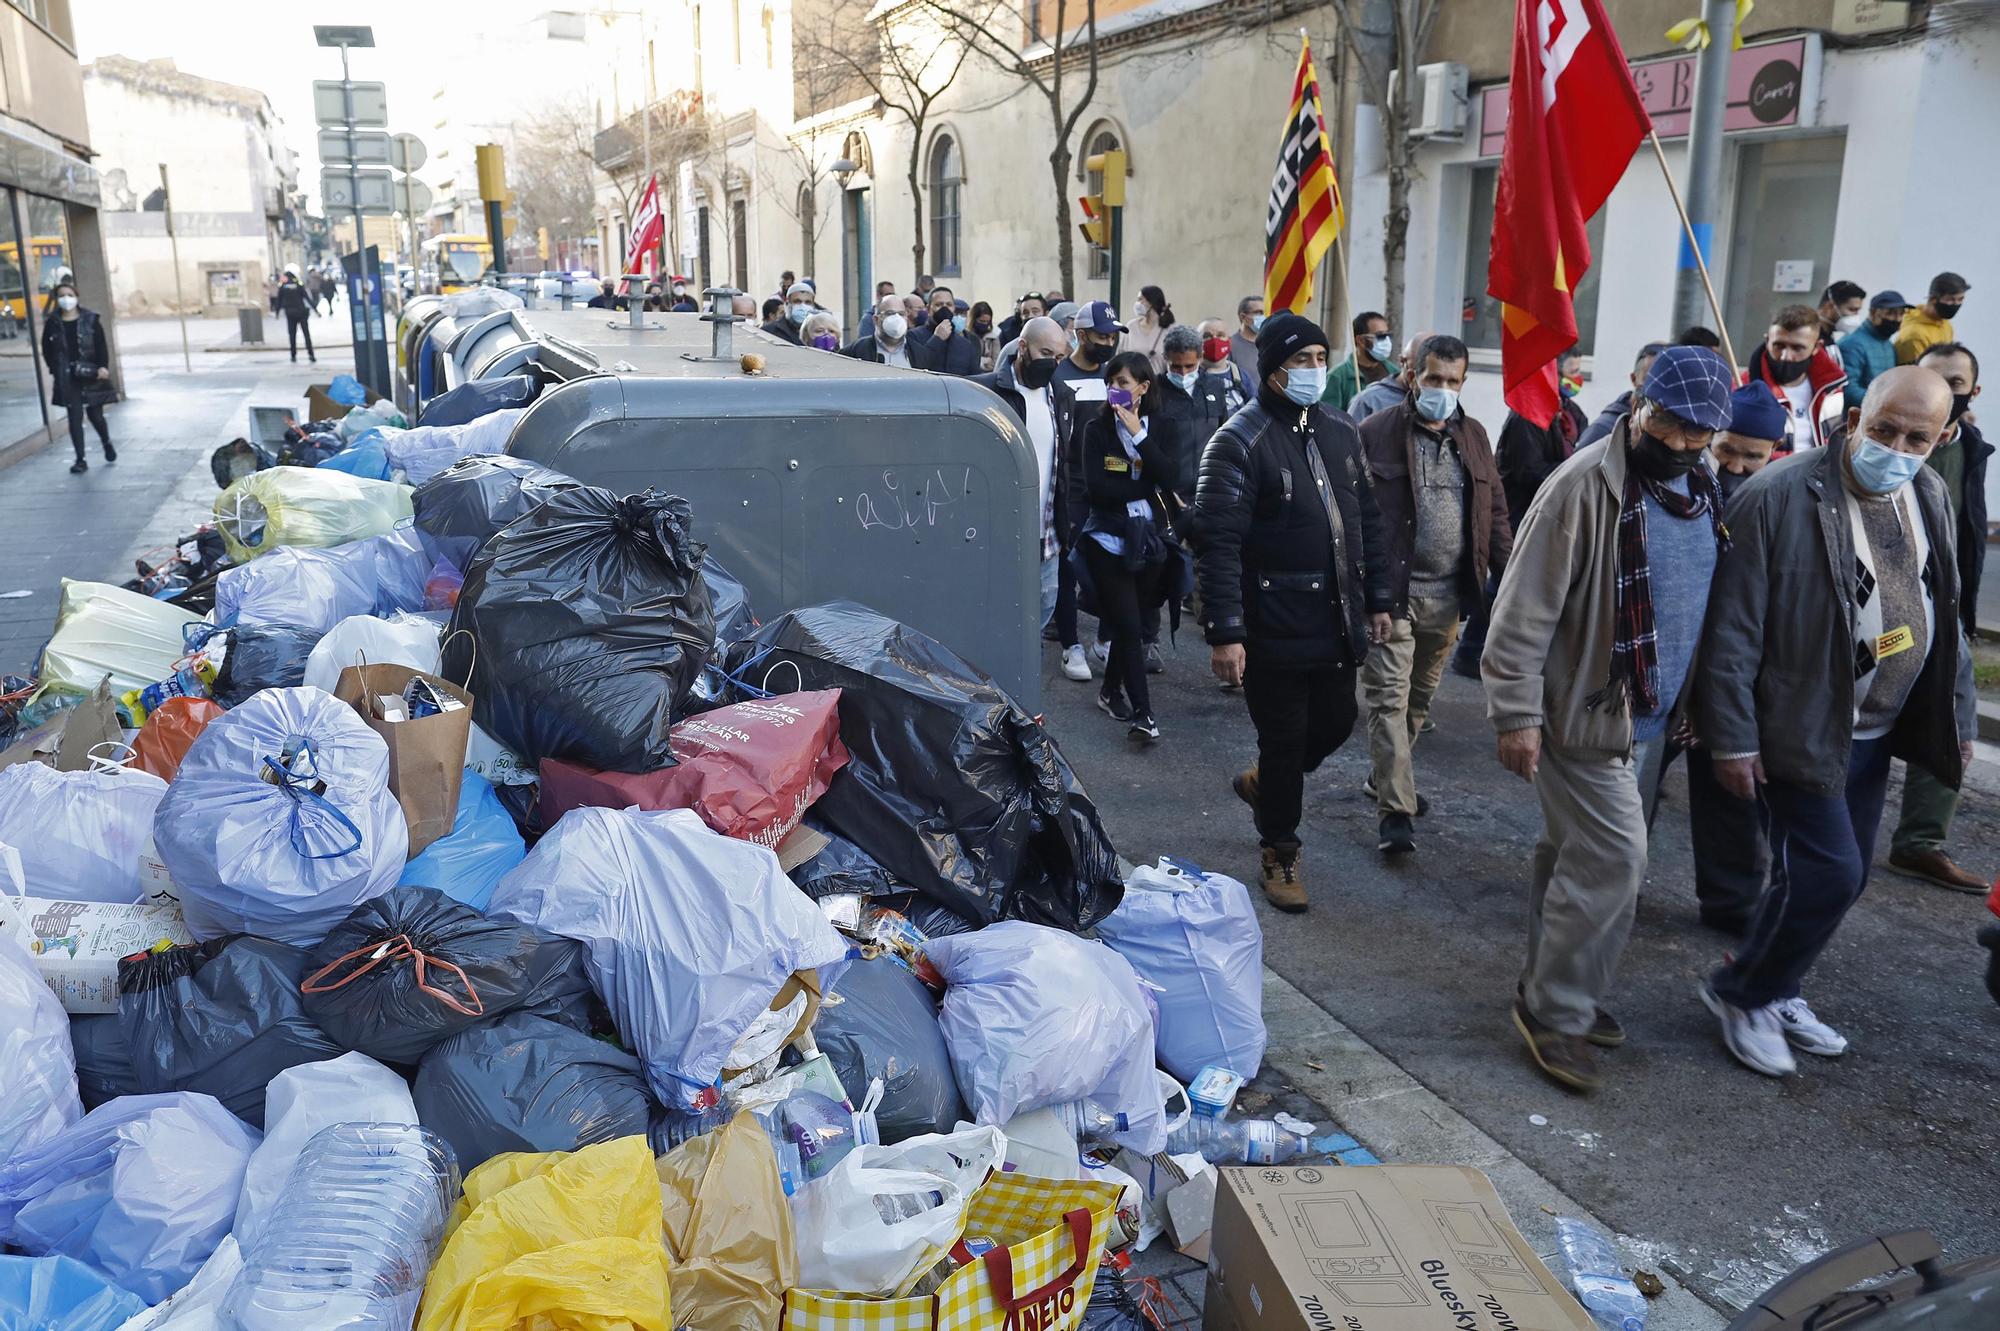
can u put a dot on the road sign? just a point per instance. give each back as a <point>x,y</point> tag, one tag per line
<point>372,147</point>
<point>371,104</point>
<point>336,192</point>
<point>406,152</point>
<point>413,196</point>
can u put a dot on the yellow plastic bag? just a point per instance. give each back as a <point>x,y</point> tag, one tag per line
<point>567,1241</point>
<point>105,630</point>
<point>305,506</point>
<point>728,1229</point>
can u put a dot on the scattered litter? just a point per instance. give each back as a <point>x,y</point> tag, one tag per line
<point>15,595</point>
<point>1538,1120</point>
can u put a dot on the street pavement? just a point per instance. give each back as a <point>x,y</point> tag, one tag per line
<point>1708,1171</point>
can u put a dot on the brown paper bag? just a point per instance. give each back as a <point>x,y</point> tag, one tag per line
<point>426,755</point>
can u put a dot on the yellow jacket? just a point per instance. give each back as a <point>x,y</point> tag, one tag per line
<point>1919,334</point>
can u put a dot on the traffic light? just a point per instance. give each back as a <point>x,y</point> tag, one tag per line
<point>1096,226</point>
<point>492,166</point>
<point>542,243</point>
<point>1110,168</point>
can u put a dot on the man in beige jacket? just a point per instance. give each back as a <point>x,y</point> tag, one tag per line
<point>1593,638</point>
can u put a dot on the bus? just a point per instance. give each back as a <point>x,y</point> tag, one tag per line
<point>460,260</point>
<point>45,255</point>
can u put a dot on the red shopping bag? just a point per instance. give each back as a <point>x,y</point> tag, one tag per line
<point>170,731</point>
<point>751,770</point>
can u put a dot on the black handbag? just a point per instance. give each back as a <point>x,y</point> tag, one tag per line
<point>82,372</point>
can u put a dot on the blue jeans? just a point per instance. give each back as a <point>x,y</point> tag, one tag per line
<point>1051,579</point>
<point>1821,848</point>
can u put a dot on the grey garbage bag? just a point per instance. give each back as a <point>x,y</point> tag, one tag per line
<point>885,1025</point>
<point>103,1058</point>
<point>523,1083</point>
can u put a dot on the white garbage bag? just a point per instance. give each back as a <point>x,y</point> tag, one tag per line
<point>104,630</point>
<point>80,834</point>
<point>1036,1016</point>
<point>280,820</point>
<point>301,1100</point>
<point>142,1189</point>
<point>423,452</point>
<point>37,1066</point>
<point>1195,935</point>
<point>691,934</point>
<point>198,1305</point>
<point>884,1214</point>
<point>315,589</point>
<point>401,639</point>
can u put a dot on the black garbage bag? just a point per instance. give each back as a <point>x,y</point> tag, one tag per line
<point>886,1026</point>
<point>103,1059</point>
<point>522,1083</point>
<point>843,867</point>
<point>458,509</point>
<point>259,656</point>
<point>220,1017</point>
<point>413,967</point>
<point>482,397</point>
<point>949,784</point>
<point>729,602</point>
<point>591,621</point>
<point>238,458</point>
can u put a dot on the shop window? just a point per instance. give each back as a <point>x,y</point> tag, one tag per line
<point>1480,312</point>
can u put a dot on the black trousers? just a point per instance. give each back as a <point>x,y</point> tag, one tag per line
<point>1123,597</point>
<point>1732,851</point>
<point>1302,714</point>
<point>294,327</point>
<point>95,411</point>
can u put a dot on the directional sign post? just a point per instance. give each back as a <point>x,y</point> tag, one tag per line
<point>370,108</point>
<point>370,147</point>
<point>366,191</point>
<point>413,197</point>
<point>347,108</point>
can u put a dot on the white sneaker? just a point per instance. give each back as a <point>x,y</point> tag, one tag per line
<point>1806,1031</point>
<point>1102,651</point>
<point>1753,1035</point>
<point>1074,665</point>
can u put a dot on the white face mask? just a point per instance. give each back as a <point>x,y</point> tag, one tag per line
<point>67,303</point>
<point>893,326</point>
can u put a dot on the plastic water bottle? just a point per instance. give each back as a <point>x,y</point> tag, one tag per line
<point>1249,1141</point>
<point>1606,1292</point>
<point>352,1241</point>
<point>1089,1121</point>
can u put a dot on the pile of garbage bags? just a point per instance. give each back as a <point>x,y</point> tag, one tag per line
<point>725,995</point>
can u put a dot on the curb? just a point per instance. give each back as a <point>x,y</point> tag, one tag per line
<point>23,449</point>
<point>1400,1119</point>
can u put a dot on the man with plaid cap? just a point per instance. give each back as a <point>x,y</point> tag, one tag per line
<point>1592,641</point>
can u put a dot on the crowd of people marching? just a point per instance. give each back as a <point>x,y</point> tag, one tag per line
<point>1770,574</point>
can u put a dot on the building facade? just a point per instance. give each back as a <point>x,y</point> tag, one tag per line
<point>232,183</point>
<point>48,205</point>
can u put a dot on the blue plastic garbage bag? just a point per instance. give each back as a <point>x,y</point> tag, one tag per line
<point>141,1189</point>
<point>427,450</point>
<point>370,460</point>
<point>482,397</point>
<point>56,1292</point>
<point>476,854</point>
<point>280,821</point>
<point>316,588</point>
<point>347,390</point>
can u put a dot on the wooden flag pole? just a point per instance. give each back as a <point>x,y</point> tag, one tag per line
<point>1701,263</point>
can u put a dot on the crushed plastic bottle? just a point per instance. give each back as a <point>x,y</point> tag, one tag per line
<point>351,1242</point>
<point>1606,1292</point>
<point>1249,1141</point>
<point>1089,1121</point>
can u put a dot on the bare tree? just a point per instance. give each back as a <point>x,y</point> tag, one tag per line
<point>673,130</point>
<point>1004,34</point>
<point>907,68</point>
<point>1395,36</point>
<point>551,186</point>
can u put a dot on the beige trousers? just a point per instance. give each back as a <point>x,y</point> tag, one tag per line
<point>1397,683</point>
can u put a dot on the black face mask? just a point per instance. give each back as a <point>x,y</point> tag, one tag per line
<point>1785,371</point>
<point>1657,462</point>
<point>1094,353</point>
<point>1959,403</point>
<point>1727,482</point>
<point>1886,327</point>
<point>1035,373</point>
<point>1949,311</point>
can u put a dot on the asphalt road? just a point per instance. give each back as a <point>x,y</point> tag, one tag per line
<point>1722,1175</point>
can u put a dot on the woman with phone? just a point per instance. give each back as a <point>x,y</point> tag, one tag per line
<point>1128,467</point>
<point>79,360</point>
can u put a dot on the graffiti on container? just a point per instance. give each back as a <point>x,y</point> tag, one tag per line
<point>896,508</point>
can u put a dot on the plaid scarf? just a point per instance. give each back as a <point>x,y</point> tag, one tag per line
<point>1635,666</point>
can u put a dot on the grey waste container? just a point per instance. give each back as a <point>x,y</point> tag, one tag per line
<point>250,325</point>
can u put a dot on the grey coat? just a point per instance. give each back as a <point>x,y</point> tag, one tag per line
<point>1777,675</point>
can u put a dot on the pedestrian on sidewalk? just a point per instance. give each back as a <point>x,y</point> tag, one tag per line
<point>1924,826</point>
<point>1585,665</point>
<point>1294,580</point>
<point>1834,644</point>
<point>1367,363</point>
<point>296,304</point>
<point>79,360</point>
<point>1444,525</point>
<point>1094,336</point>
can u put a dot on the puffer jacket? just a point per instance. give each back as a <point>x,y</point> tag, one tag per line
<point>1274,573</point>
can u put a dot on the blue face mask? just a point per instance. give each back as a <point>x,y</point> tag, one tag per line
<point>1256,323</point>
<point>1184,382</point>
<point>801,313</point>
<point>1305,383</point>
<point>958,323</point>
<point>1883,470</point>
<point>1436,405</point>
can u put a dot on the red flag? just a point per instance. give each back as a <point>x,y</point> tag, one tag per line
<point>1573,122</point>
<point>648,225</point>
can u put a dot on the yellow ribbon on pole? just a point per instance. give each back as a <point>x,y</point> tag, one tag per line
<point>1693,34</point>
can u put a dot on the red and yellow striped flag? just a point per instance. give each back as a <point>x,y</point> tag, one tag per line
<point>1305,213</point>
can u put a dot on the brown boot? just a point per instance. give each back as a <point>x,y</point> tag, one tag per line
<point>1934,866</point>
<point>1282,884</point>
<point>1244,783</point>
<point>1564,1058</point>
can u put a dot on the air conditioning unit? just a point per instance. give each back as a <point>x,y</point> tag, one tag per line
<point>1441,100</point>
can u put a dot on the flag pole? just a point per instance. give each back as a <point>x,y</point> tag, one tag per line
<point>1701,263</point>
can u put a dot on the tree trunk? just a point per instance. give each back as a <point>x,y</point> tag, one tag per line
<point>916,204</point>
<point>1396,224</point>
<point>1059,161</point>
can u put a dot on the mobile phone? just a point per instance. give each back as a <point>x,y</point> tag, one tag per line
<point>1118,397</point>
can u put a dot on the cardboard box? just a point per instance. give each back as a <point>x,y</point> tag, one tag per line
<point>76,945</point>
<point>1374,1248</point>
<point>320,407</point>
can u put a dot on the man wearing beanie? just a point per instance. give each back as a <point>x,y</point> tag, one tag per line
<point>1591,644</point>
<point>1294,579</point>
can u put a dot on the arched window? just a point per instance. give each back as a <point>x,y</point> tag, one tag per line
<point>808,214</point>
<point>946,177</point>
<point>1103,139</point>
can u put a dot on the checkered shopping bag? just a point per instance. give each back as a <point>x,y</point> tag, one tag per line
<point>1048,1238</point>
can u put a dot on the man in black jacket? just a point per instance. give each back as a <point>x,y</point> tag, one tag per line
<point>296,306</point>
<point>799,307</point>
<point>1294,579</point>
<point>1622,404</point>
<point>1027,385</point>
<point>890,343</point>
